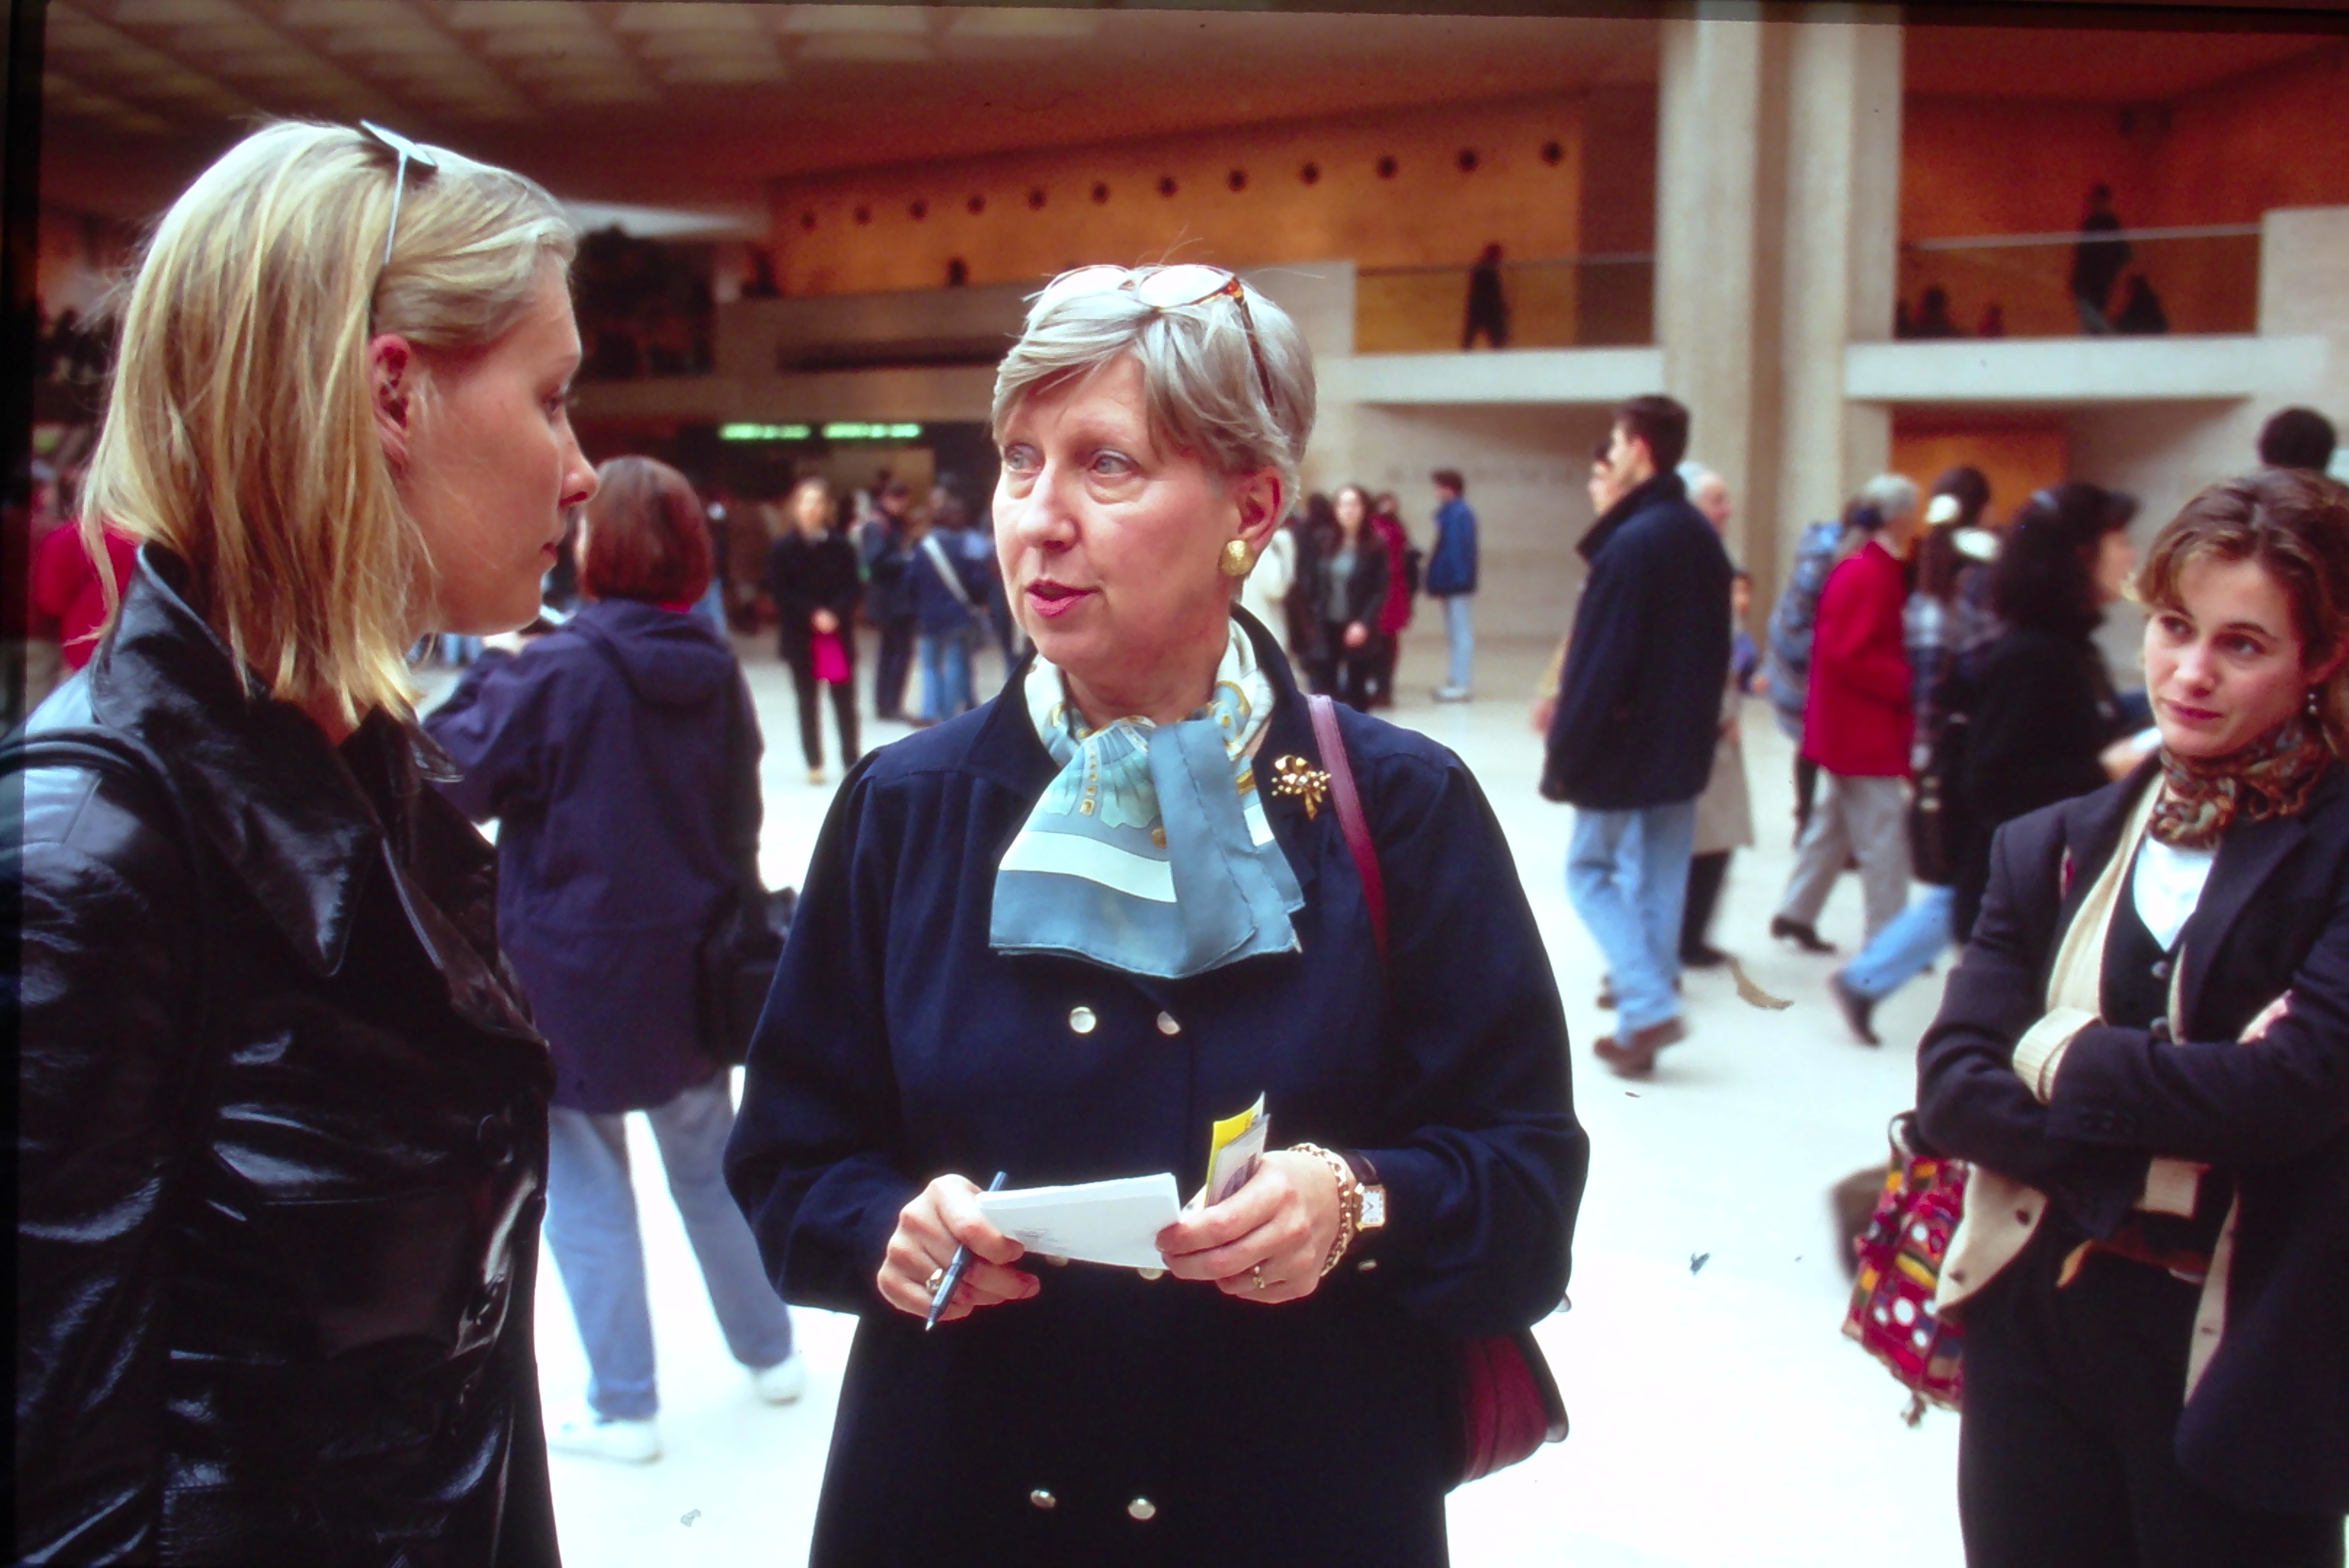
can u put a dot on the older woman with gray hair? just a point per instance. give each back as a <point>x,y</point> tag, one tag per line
<point>1061,935</point>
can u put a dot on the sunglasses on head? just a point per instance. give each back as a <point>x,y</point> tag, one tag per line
<point>409,152</point>
<point>1164,288</point>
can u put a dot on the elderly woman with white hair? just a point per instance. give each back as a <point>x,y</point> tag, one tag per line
<point>1062,934</point>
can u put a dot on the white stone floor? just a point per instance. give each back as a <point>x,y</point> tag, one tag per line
<point>1719,1416</point>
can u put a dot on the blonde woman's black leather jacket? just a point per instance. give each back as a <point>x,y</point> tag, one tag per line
<point>281,1139</point>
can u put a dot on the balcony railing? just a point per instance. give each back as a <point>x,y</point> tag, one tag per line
<point>1581,302</point>
<point>2203,278</point>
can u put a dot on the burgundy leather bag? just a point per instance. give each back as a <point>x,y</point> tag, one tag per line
<point>1510,1403</point>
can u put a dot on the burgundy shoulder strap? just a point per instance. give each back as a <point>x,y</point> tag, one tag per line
<point>1348,802</point>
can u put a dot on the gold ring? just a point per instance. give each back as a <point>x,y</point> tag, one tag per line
<point>938,1277</point>
<point>1257,1272</point>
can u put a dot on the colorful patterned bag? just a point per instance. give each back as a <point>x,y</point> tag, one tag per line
<point>1900,1254</point>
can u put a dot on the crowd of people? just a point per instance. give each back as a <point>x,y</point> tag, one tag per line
<point>309,1064</point>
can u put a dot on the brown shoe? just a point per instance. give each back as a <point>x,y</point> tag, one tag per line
<point>1635,1056</point>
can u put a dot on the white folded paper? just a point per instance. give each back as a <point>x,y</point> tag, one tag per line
<point>1114,1222</point>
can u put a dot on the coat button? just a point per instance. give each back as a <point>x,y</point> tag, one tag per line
<point>1142,1509</point>
<point>1167,1026</point>
<point>1082,1020</point>
<point>1043,1500</point>
<point>1148,1275</point>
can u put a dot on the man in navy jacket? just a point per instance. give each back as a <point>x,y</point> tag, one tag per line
<point>1452,578</point>
<point>1631,740</point>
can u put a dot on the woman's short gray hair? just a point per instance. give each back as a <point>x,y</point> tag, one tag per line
<point>1199,379</point>
<point>1892,496</point>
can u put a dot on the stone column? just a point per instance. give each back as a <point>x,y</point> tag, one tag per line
<point>1708,216</point>
<point>1839,261</point>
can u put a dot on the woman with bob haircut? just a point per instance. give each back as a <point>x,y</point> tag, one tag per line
<point>2144,1053</point>
<point>620,755</point>
<point>1061,936</point>
<point>282,1112</point>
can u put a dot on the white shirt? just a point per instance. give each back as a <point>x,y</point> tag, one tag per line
<point>2167,886</point>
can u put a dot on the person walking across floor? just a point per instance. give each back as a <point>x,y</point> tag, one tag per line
<point>2044,722</point>
<point>1858,726</point>
<point>1790,635</point>
<point>884,544</point>
<point>1631,741</point>
<point>949,582</point>
<point>1948,626</point>
<point>811,575</point>
<point>1403,566</point>
<point>2142,1056</point>
<point>619,756</point>
<point>1452,581</point>
<point>1724,812</point>
<point>1350,573</point>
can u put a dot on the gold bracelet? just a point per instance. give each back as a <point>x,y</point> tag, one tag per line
<point>1350,1202</point>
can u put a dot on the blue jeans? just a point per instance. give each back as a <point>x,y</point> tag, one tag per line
<point>946,688</point>
<point>1627,874</point>
<point>591,1230</point>
<point>1903,949</point>
<point>1461,634</point>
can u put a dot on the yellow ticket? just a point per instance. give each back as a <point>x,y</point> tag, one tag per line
<point>1233,1145</point>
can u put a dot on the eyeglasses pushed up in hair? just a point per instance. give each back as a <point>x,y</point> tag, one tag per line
<point>1164,288</point>
<point>410,152</point>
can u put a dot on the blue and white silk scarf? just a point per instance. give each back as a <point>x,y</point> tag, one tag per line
<point>1150,852</point>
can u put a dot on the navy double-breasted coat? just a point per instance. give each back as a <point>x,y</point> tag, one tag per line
<point>1113,1419</point>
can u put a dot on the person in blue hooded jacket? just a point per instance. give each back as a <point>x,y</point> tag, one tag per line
<point>620,755</point>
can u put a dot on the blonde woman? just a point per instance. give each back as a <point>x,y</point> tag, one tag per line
<point>281,1128</point>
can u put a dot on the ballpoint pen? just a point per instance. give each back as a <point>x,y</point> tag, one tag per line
<point>953,1276</point>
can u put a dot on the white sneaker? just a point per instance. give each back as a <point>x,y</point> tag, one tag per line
<point>784,1382</point>
<point>1452,693</point>
<point>596,1437</point>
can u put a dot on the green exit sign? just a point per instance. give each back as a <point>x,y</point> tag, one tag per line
<point>853,431</point>
<point>764,432</point>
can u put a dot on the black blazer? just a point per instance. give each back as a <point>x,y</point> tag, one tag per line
<point>2268,1427</point>
<point>2039,718</point>
<point>897,1045</point>
<point>1366,587</point>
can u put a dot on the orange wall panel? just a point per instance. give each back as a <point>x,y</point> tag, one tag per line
<point>1429,213</point>
<point>2017,458</point>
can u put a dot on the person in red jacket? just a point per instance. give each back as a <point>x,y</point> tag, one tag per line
<point>1859,724</point>
<point>66,591</point>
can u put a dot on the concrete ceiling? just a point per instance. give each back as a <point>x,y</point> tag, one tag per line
<point>701,104</point>
<point>698,104</point>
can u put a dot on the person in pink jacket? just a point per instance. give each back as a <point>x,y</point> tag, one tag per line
<point>1859,724</point>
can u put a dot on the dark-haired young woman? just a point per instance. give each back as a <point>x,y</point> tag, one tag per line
<point>620,756</point>
<point>2043,711</point>
<point>2144,1053</point>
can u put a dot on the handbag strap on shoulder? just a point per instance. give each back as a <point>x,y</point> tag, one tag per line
<point>1348,802</point>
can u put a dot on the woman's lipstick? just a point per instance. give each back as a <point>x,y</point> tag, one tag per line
<point>1051,598</point>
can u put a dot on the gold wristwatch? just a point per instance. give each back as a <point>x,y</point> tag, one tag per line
<point>1371,1193</point>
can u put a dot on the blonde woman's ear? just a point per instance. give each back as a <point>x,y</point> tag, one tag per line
<point>391,374</point>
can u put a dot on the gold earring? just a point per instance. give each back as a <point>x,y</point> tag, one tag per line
<point>1239,559</point>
